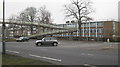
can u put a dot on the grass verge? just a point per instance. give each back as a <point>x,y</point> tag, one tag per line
<point>17,60</point>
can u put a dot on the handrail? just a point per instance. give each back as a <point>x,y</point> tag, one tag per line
<point>64,29</point>
<point>37,24</point>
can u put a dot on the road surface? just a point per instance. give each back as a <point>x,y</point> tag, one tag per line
<point>68,52</point>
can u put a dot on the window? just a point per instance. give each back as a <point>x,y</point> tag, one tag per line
<point>100,30</point>
<point>100,35</point>
<point>86,30</point>
<point>82,25</point>
<point>82,35</point>
<point>93,35</point>
<point>82,30</point>
<point>93,30</point>
<point>92,24</point>
<point>100,24</point>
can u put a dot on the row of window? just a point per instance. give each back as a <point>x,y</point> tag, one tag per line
<point>92,24</point>
<point>99,30</point>
<point>92,35</point>
<point>84,24</point>
<point>77,35</point>
<point>68,25</point>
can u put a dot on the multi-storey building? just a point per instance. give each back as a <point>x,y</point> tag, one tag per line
<point>99,30</point>
<point>94,30</point>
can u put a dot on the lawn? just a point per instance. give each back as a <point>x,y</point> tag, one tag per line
<point>17,60</point>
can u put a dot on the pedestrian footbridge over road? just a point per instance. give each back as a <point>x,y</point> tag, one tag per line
<point>39,29</point>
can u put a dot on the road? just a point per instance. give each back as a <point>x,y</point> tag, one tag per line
<point>68,52</point>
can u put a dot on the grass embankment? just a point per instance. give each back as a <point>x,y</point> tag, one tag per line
<point>8,40</point>
<point>17,60</point>
<point>0,39</point>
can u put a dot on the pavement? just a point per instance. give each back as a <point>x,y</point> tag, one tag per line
<point>68,52</point>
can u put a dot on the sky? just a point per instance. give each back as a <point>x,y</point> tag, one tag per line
<point>104,9</point>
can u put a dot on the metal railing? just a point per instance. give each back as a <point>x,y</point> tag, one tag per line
<point>62,29</point>
<point>34,23</point>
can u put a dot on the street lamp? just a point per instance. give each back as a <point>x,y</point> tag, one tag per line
<point>3,29</point>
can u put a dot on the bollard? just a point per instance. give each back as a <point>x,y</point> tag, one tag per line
<point>108,40</point>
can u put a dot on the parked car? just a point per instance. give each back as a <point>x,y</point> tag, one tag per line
<point>47,41</point>
<point>22,39</point>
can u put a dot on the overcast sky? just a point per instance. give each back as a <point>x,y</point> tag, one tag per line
<point>104,9</point>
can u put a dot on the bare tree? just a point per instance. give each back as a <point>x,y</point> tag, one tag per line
<point>23,17</point>
<point>43,15</point>
<point>29,14</point>
<point>80,10</point>
<point>12,18</point>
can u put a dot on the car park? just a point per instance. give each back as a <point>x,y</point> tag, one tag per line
<point>22,39</point>
<point>47,41</point>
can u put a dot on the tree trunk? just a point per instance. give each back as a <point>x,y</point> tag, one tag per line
<point>31,29</point>
<point>71,37</point>
<point>21,30</point>
<point>31,25</point>
<point>80,31</point>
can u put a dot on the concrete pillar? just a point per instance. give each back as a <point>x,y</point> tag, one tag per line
<point>96,31</point>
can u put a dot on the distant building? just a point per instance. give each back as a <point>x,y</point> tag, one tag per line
<point>94,30</point>
<point>119,11</point>
<point>98,30</point>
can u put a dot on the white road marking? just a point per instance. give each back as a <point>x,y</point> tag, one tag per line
<point>82,53</point>
<point>88,65</point>
<point>87,54</point>
<point>13,51</point>
<point>90,54</point>
<point>45,57</point>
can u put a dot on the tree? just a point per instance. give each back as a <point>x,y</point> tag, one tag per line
<point>12,18</point>
<point>23,17</point>
<point>79,10</point>
<point>29,14</point>
<point>43,15</point>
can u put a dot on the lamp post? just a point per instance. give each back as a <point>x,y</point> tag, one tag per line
<point>3,29</point>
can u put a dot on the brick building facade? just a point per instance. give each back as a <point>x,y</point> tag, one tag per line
<point>100,30</point>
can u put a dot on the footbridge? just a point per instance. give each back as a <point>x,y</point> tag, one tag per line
<point>50,29</point>
<point>36,24</point>
<point>53,32</point>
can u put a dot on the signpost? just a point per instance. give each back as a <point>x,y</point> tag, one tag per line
<point>3,29</point>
